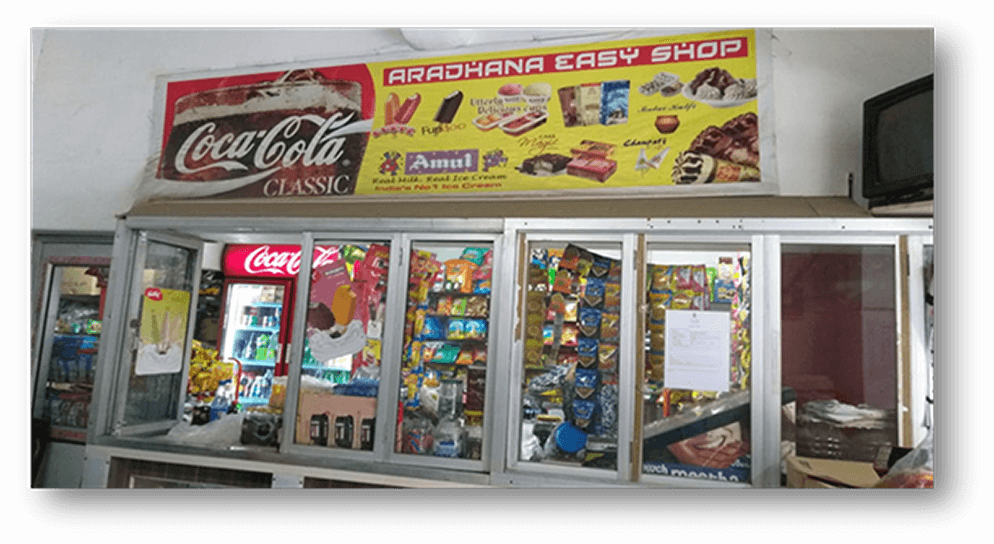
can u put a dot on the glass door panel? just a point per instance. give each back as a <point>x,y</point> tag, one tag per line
<point>695,390</point>
<point>839,349</point>
<point>446,350</point>
<point>163,298</point>
<point>72,339</point>
<point>340,368</point>
<point>569,387</point>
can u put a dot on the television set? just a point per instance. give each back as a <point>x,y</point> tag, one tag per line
<point>898,144</point>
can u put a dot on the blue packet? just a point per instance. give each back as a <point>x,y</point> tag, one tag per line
<point>583,412</point>
<point>587,350</point>
<point>585,383</point>
<point>593,293</point>
<point>589,321</point>
<point>433,329</point>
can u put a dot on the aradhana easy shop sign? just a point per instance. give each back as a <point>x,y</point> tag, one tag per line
<point>613,116</point>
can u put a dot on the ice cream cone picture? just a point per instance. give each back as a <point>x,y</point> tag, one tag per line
<point>163,328</point>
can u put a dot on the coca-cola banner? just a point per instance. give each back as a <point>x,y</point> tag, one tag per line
<point>643,114</point>
<point>271,260</point>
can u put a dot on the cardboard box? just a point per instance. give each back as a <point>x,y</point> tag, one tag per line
<point>812,473</point>
<point>350,412</point>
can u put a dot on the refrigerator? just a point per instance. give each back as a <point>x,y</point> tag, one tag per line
<point>255,322</point>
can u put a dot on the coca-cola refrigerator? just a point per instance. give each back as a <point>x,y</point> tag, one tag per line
<point>256,317</point>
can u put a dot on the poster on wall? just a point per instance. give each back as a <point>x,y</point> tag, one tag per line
<point>634,116</point>
<point>163,331</point>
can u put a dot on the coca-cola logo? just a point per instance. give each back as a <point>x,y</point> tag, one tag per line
<point>282,261</point>
<point>264,151</point>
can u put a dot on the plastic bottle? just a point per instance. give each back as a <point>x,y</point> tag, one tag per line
<point>448,435</point>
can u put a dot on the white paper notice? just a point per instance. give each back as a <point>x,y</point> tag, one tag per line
<point>698,346</point>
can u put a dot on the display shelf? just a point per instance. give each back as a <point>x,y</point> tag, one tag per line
<point>253,400</point>
<point>255,328</point>
<point>256,362</point>
<point>267,304</point>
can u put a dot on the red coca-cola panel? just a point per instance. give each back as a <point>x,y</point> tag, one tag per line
<point>271,260</point>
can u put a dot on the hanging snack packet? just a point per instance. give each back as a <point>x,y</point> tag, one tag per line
<point>589,322</point>
<point>585,382</point>
<point>660,277</point>
<point>563,282</point>
<point>533,352</point>
<point>570,258</point>
<point>600,266</point>
<point>587,351</point>
<point>658,304</point>
<point>612,296</point>
<point>607,357</point>
<point>698,278</point>
<point>570,335</point>
<point>557,306</point>
<point>655,363</point>
<point>657,337</point>
<point>682,300</point>
<point>614,273</point>
<point>610,327</point>
<point>540,258</point>
<point>584,263</point>
<point>683,278</point>
<point>593,293</point>
<point>583,412</point>
<point>572,311</point>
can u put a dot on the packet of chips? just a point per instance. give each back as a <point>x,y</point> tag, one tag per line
<point>587,351</point>
<point>659,302</point>
<point>607,357</point>
<point>585,382</point>
<point>474,255</point>
<point>612,296</point>
<point>583,412</point>
<point>459,276</point>
<point>563,283</point>
<point>458,307</point>
<point>610,323</point>
<point>476,306</point>
<point>444,306</point>
<point>593,293</point>
<point>589,321</point>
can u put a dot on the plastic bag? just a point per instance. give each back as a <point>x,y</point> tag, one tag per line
<point>225,431</point>
<point>914,470</point>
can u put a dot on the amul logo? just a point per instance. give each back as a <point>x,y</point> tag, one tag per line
<point>442,162</point>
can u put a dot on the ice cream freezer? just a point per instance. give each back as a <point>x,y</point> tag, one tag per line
<point>501,351</point>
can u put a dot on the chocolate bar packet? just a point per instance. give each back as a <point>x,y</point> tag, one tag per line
<point>587,350</point>
<point>593,293</point>
<point>583,412</point>
<point>585,382</point>
<point>589,322</point>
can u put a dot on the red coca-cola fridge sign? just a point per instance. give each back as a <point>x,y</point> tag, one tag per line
<point>296,133</point>
<point>271,261</point>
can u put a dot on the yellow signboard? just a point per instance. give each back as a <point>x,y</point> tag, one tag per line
<point>640,113</point>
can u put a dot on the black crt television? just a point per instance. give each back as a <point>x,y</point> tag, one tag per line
<point>898,144</point>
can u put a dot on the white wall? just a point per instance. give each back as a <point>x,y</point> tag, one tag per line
<point>93,98</point>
